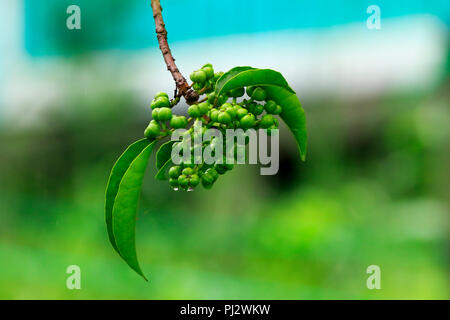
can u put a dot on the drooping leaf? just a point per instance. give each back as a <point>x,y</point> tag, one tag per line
<point>163,154</point>
<point>293,115</point>
<point>252,77</point>
<point>227,76</point>
<point>117,173</point>
<point>122,199</point>
<point>278,90</point>
<point>161,175</point>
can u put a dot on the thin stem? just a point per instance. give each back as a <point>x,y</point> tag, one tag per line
<point>161,33</point>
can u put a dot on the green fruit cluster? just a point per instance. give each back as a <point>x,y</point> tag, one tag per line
<point>222,112</point>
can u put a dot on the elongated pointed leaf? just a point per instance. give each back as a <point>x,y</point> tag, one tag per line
<point>125,207</point>
<point>117,173</point>
<point>164,153</point>
<point>293,115</point>
<point>227,76</point>
<point>161,175</point>
<point>278,90</point>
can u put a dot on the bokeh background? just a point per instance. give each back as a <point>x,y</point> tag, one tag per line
<point>374,189</point>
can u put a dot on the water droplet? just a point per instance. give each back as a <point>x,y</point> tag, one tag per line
<point>175,189</point>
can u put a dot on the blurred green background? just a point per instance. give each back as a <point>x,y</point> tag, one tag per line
<point>373,191</point>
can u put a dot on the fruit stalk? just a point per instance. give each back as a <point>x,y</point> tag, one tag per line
<point>161,33</point>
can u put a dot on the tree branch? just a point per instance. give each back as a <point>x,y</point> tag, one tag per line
<point>161,33</point>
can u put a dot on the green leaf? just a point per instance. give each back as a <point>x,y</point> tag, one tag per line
<point>161,175</point>
<point>117,173</point>
<point>164,153</point>
<point>278,90</point>
<point>252,77</point>
<point>227,76</point>
<point>126,178</point>
<point>293,115</point>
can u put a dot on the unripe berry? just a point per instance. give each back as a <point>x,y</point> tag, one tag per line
<point>278,110</point>
<point>214,114</point>
<point>187,171</point>
<point>236,93</point>
<point>174,172</point>
<point>250,90</point>
<point>220,168</point>
<point>178,122</point>
<point>270,106</point>
<point>247,121</point>
<point>161,94</point>
<point>224,117</point>
<point>155,113</point>
<point>183,181</point>
<point>194,180</point>
<point>203,107</point>
<point>152,130</point>
<point>197,86</point>
<point>162,102</point>
<point>241,112</point>
<point>259,94</point>
<point>209,71</point>
<point>164,114</point>
<point>194,111</point>
<point>257,109</point>
<point>213,173</point>
<point>199,76</point>
<point>173,183</point>
<point>267,121</point>
<point>211,97</point>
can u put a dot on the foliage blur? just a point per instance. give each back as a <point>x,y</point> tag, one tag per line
<point>373,191</point>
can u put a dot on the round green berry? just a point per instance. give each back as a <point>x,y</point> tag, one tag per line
<point>164,114</point>
<point>250,90</point>
<point>174,172</point>
<point>259,94</point>
<point>258,109</point>
<point>278,110</point>
<point>178,122</point>
<point>197,86</point>
<point>203,107</point>
<point>162,102</point>
<point>183,181</point>
<point>194,111</point>
<point>211,97</point>
<point>224,117</point>
<point>229,166</point>
<point>199,76</point>
<point>173,182</point>
<point>187,171</point>
<point>194,180</point>
<point>152,130</point>
<point>214,114</point>
<point>270,106</point>
<point>241,112</point>
<point>155,113</point>
<point>220,168</point>
<point>161,94</point>
<point>236,93</point>
<point>209,71</point>
<point>213,173</point>
<point>247,121</point>
<point>267,121</point>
